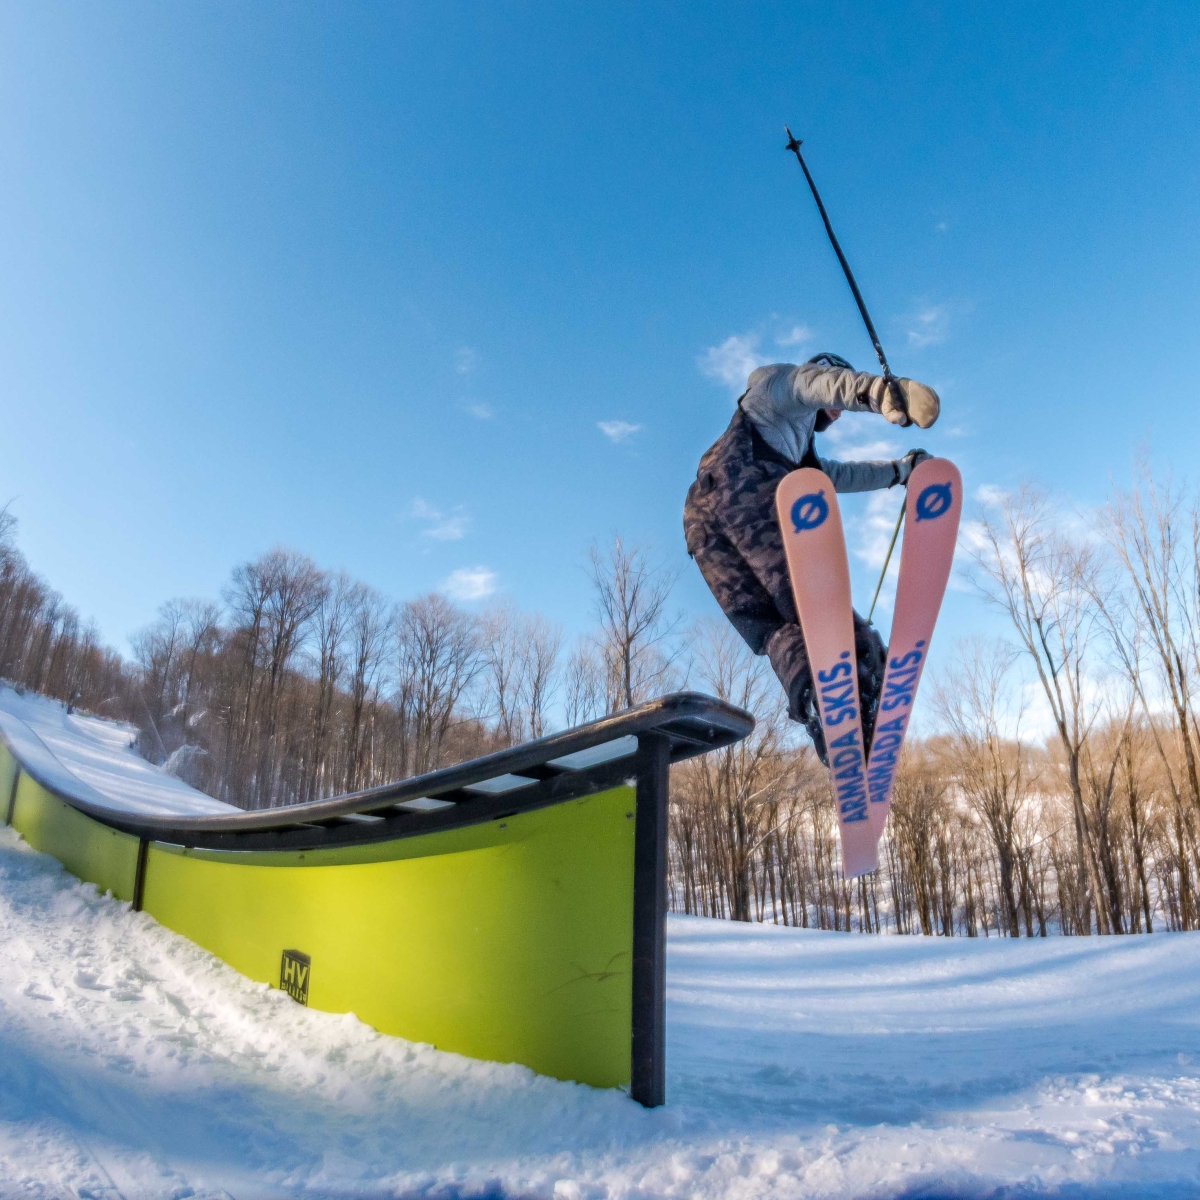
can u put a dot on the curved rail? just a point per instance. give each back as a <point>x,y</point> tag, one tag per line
<point>532,775</point>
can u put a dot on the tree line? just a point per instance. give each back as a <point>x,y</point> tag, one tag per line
<point>44,643</point>
<point>300,683</point>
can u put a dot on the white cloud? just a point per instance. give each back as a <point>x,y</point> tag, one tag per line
<point>796,336</point>
<point>481,412</point>
<point>929,325</point>
<point>847,440</point>
<point>990,496</point>
<point>942,226</point>
<point>733,360</point>
<point>617,431</point>
<point>470,583</point>
<point>442,527</point>
<point>465,360</point>
<point>875,529</point>
<point>971,536</point>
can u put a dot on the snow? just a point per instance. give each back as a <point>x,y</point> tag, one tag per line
<point>801,1064</point>
<point>92,759</point>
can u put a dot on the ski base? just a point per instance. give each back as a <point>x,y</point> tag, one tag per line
<point>811,524</point>
<point>931,513</point>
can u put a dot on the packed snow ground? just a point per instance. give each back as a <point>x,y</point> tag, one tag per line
<point>800,1064</point>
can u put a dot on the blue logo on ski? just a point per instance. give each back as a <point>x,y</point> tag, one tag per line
<point>810,511</point>
<point>933,501</point>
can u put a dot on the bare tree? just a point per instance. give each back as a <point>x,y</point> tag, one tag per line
<point>368,646</point>
<point>539,678</point>
<point>738,787</point>
<point>1043,581</point>
<point>331,619</point>
<point>501,640</point>
<point>520,654</point>
<point>438,658</point>
<point>273,599</point>
<point>44,645</point>
<point>156,650</point>
<point>1138,792</point>
<point>989,766</point>
<point>1151,617</point>
<point>919,842</point>
<point>583,685</point>
<point>631,592</point>
<point>200,639</point>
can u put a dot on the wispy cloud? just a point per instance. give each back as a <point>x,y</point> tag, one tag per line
<point>929,325</point>
<point>470,583</point>
<point>990,496</point>
<point>733,360</point>
<point>439,525</point>
<point>875,527</point>
<point>617,431</point>
<point>848,439</point>
<point>465,360</point>
<point>796,336</point>
<point>481,412</point>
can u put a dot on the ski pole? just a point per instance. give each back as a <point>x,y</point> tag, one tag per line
<point>793,145</point>
<point>887,559</point>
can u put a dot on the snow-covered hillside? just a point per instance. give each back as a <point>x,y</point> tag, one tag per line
<point>801,1064</point>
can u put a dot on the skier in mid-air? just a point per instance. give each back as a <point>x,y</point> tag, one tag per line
<point>732,530</point>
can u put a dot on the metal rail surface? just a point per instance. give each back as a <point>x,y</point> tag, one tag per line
<point>561,766</point>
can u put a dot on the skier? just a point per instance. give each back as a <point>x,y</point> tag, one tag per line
<point>729,518</point>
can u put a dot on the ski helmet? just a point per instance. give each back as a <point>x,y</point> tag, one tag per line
<point>825,359</point>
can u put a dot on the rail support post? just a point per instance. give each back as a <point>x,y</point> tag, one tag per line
<point>647,1076</point>
<point>12,794</point>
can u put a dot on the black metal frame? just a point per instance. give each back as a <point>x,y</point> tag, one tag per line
<point>12,795</point>
<point>668,730</point>
<point>647,1077</point>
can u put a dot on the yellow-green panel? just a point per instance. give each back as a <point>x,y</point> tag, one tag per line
<point>86,848</point>
<point>8,768</point>
<point>510,940</point>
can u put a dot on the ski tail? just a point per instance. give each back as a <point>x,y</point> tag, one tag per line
<point>811,525</point>
<point>931,512</point>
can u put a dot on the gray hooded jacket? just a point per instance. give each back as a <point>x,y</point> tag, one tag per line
<point>783,401</point>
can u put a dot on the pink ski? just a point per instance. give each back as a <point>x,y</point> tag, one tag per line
<point>931,511</point>
<point>816,556</point>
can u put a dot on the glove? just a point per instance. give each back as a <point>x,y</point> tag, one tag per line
<point>917,404</point>
<point>906,465</point>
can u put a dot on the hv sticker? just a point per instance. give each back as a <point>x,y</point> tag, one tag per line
<point>294,971</point>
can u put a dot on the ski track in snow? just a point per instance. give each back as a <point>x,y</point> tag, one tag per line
<point>801,1064</point>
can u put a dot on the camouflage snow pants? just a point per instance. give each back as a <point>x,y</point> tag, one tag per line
<point>733,534</point>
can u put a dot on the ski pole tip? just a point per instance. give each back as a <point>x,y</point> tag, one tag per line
<point>794,142</point>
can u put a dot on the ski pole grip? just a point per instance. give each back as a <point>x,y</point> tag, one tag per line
<point>893,387</point>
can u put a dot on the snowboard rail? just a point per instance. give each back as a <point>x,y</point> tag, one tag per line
<point>509,908</point>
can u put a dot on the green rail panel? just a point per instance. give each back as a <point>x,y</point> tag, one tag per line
<point>509,941</point>
<point>88,849</point>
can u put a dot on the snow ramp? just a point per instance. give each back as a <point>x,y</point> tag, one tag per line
<point>510,908</point>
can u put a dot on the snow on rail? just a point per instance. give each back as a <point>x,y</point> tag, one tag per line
<point>92,759</point>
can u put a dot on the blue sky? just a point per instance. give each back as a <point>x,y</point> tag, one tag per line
<point>447,292</point>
